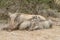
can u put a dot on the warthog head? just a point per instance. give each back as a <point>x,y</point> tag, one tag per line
<point>12,16</point>
<point>12,23</point>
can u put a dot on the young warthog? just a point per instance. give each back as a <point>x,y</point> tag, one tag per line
<point>36,23</point>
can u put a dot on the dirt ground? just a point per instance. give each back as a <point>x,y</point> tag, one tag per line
<point>44,34</point>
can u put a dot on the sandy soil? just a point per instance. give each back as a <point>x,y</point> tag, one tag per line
<point>44,34</point>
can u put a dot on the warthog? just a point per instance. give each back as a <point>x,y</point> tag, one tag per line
<point>21,19</point>
<point>40,24</point>
<point>36,23</point>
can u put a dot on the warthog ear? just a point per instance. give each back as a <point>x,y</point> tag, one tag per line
<point>16,13</point>
<point>9,13</point>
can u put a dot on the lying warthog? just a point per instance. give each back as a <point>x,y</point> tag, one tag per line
<point>36,23</point>
<point>21,19</point>
<point>41,25</point>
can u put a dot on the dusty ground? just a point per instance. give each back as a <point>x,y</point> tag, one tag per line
<point>44,34</point>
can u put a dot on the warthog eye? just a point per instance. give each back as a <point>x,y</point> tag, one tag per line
<point>16,18</point>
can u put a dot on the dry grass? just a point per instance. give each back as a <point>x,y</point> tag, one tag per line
<point>44,34</point>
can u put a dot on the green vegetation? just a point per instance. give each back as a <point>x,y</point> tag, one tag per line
<point>26,6</point>
<point>23,3</point>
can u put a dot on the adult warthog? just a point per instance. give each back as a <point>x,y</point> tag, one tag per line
<point>17,19</point>
<point>26,21</point>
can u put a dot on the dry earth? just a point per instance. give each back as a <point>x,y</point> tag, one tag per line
<point>44,34</point>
